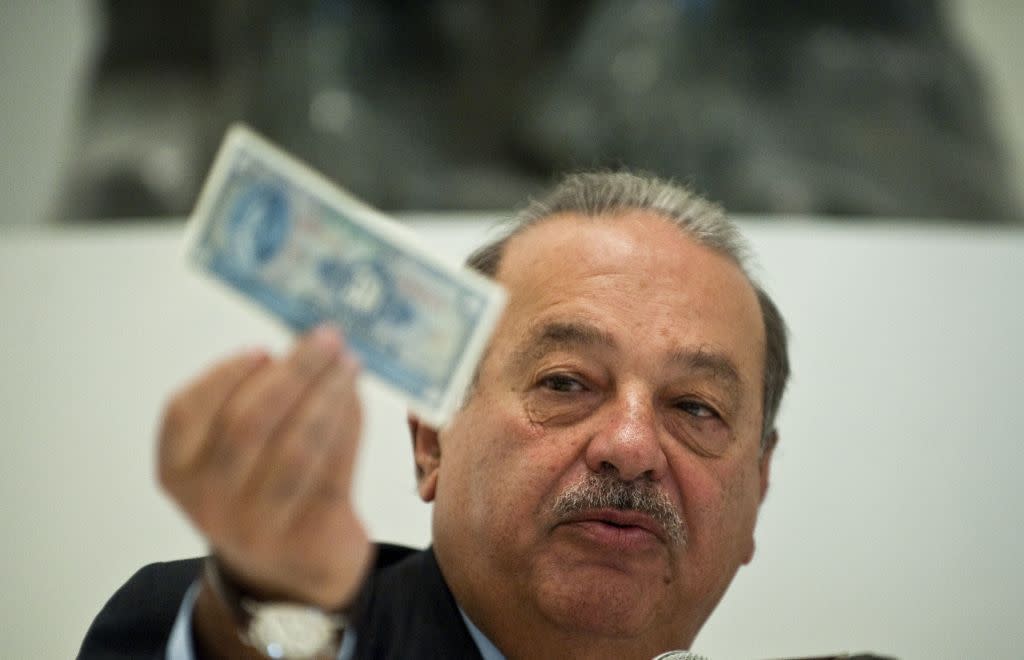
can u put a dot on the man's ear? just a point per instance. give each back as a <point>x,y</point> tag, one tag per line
<point>766,461</point>
<point>764,470</point>
<point>427,453</point>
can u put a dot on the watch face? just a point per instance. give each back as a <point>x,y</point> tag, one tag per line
<point>286,630</point>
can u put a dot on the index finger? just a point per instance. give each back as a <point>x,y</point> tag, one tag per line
<point>189,414</point>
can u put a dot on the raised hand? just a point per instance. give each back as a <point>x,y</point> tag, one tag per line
<point>259,452</point>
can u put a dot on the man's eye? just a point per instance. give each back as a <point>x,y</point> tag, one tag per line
<point>697,409</point>
<point>561,383</point>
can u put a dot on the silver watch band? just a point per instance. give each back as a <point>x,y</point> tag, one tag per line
<point>276,629</point>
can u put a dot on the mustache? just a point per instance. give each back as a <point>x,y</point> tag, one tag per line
<point>602,490</point>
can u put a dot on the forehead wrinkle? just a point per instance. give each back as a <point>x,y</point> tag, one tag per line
<point>554,335</point>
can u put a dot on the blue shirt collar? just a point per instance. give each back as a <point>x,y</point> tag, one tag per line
<point>487,648</point>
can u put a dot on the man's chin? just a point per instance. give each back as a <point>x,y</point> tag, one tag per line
<point>603,593</point>
<point>606,609</point>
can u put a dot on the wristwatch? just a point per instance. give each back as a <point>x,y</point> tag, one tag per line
<point>278,629</point>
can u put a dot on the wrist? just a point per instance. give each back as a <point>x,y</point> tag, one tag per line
<point>274,628</point>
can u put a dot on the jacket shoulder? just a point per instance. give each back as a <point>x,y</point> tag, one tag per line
<point>136,622</point>
<point>407,612</point>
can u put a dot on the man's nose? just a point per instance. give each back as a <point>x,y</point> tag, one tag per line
<point>627,440</point>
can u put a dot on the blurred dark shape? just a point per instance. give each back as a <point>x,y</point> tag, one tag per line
<point>843,108</point>
<point>152,116</point>
<point>847,108</point>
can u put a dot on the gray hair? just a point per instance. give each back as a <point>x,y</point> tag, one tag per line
<point>596,194</point>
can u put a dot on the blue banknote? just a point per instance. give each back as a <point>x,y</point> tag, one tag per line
<point>308,252</point>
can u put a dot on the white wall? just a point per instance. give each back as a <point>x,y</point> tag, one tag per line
<point>894,522</point>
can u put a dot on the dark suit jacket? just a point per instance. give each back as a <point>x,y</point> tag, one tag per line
<point>404,610</point>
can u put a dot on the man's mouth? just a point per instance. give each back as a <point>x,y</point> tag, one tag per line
<point>620,530</point>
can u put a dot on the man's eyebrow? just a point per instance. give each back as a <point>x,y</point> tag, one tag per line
<point>705,359</point>
<point>561,334</point>
<point>556,335</point>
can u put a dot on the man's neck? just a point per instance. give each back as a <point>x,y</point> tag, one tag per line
<point>521,632</point>
<point>541,642</point>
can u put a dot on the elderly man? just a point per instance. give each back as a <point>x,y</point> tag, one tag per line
<point>593,497</point>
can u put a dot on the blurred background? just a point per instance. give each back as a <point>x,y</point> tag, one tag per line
<point>872,151</point>
<point>851,108</point>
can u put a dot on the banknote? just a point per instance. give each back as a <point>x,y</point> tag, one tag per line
<point>308,252</point>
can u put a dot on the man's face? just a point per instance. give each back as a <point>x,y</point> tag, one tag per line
<point>629,361</point>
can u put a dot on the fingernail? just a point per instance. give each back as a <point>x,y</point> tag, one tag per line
<point>326,335</point>
<point>349,360</point>
<point>255,353</point>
